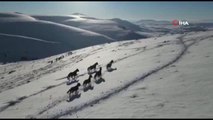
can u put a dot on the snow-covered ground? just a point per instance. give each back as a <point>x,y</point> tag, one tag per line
<point>167,76</point>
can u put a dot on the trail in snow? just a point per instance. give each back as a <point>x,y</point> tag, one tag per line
<point>56,102</point>
<point>156,99</point>
<point>107,95</point>
<point>65,97</point>
<point>21,99</point>
<point>116,91</point>
<point>176,59</point>
<point>140,49</point>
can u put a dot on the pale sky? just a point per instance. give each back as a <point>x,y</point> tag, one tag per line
<point>125,10</point>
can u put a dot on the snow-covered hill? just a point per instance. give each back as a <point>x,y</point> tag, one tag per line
<point>15,17</point>
<point>115,28</point>
<point>52,35</point>
<point>168,76</point>
<point>18,29</point>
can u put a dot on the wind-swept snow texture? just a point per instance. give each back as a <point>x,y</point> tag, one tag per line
<point>114,28</point>
<point>36,36</point>
<point>168,76</point>
<point>20,32</point>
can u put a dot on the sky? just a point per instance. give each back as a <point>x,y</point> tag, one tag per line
<point>125,10</point>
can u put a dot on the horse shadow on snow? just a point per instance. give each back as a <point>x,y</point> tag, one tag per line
<point>111,69</point>
<point>99,80</point>
<point>75,96</point>
<point>89,87</point>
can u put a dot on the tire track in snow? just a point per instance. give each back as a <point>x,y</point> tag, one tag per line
<point>118,90</point>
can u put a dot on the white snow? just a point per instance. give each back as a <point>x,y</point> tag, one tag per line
<point>25,37</point>
<point>168,76</point>
<point>20,35</point>
<point>181,90</point>
<point>113,28</point>
<point>15,17</point>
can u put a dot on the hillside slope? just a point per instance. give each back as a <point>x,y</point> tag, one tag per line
<point>155,77</point>
<point>24,27</point>
<point>115,28</point>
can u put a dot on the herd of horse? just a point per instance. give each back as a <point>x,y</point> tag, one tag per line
<point>92,69</point>
<point>87,83</point>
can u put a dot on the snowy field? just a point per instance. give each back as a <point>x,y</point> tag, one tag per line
<point>167,76</point>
